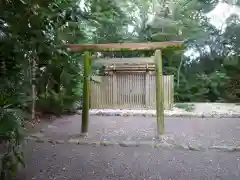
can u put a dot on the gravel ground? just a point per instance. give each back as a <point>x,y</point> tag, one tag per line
<point>199,132</point>
<point>200,110</point>
<point>73,162</point>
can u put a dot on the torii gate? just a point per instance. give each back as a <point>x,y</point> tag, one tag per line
<point>157,46</point>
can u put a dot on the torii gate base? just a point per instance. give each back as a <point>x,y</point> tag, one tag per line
<point>126,47</point>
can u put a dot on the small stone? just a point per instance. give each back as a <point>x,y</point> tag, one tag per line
<point>237,149</point>
<point>95,143</point>
<point>225,148</point>
<point>193,148</point>
<point>104,143</point>
<point>51,127</point>
<point>155,145</point>
<point>37,135</point>
<point>84,135</point>
<point>73,141</point>
<point>122,144</point>
<point>181,146</point>
<point>51,141</point>
<point>128,144</point>
<point>83,142</point>
<point>230,149</point>
<point>59,141</point>
<point>39,141</point>
<point>29,138</point>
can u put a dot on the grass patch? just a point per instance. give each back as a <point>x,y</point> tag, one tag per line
<point>185,106</point>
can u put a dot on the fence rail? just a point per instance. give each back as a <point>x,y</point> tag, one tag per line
<point>129,91</point>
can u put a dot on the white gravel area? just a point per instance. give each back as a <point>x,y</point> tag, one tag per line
<point>200,110</point>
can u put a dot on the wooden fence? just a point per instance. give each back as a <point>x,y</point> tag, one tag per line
<point>129,91</point>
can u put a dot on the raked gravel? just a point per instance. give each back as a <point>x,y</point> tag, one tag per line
<point>220,110</point>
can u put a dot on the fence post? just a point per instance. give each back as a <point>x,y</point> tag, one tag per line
<point>86,91</point>
<point>147,93</point>
<point>172,91</point>
<point>114,88</point>
<point>159,92</point>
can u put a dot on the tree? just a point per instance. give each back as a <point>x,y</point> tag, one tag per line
<point>30,52</point>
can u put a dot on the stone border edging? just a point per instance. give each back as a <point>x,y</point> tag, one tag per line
<point>153,144</point>
<point>167,114</point>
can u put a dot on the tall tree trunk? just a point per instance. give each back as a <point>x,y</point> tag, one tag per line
<point>33,84</point>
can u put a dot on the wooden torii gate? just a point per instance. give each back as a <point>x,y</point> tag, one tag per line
<point>157,46</point>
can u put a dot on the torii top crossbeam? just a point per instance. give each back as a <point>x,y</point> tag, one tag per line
<point>124,46</point>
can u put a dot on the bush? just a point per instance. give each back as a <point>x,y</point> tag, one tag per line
<point>11,128</point>
<point>11,136</point>
<point>58,103</point>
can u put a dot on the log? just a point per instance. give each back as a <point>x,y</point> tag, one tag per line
<point>123,46</point>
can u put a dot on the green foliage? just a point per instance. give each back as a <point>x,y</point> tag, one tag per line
<point>202,88</point>
<point>30,31</point>
<point>57,103</point>
<point>11,136</point>
<point>59,85</point>
<point>11,131</point>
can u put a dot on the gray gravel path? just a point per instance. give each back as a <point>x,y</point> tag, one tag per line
<point>75,162</point>
<point>204,132</point>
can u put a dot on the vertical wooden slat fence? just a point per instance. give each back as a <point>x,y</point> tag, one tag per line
<point>130,91</point>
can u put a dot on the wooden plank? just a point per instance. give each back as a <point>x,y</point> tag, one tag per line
<point>123,46</point>
<point>172,92</point>
<point>114,89</point>
<point>129,69</point>
<point>145,66</point>
<point>138,60</point>
<point>147,92</point>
